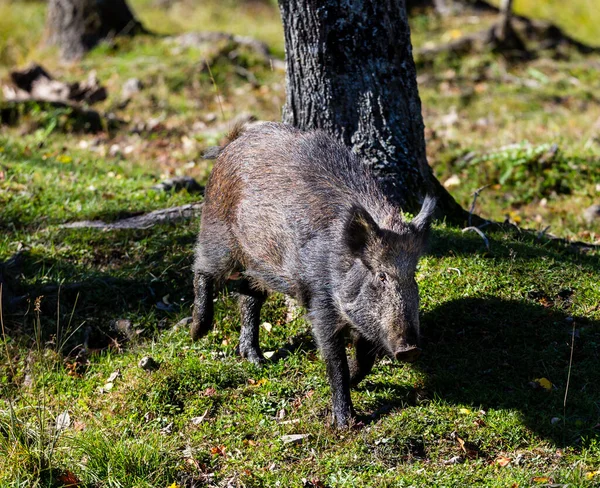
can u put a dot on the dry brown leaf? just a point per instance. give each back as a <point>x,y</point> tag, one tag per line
<point>218,450</point>
<point>542,479</point>
<point>502,461</point>
<point>68,479</point>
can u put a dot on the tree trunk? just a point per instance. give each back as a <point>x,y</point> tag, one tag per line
<point>504,25</point>
<point>350,72</point>
<point>76,26</point>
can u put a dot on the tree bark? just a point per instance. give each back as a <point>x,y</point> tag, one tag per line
<point>76,26</point>
<point>350,72</point>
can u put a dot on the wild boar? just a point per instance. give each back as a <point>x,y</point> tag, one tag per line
<point>298,213</point>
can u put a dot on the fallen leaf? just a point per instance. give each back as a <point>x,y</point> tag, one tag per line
<point>68,479</point>
<point>502,461</point>
<point>542,479</point>
<point>313,483</point>
<point>209,392</point>
<point>199,420</point>
<point>267,326</point>
<point>453,181</point>
<point>294,438</point>
<point>218,450</point>
<point>454,460</point>
<point>63,421</point>
<point>193,462</point>
<point>461,443</point>
<point>287,422</point>
<point>592,474</point>
<point>113,376</point>
<point>464,411</point>
<point>64,158</point>
<point>545,383</point>
<point>72,369</point>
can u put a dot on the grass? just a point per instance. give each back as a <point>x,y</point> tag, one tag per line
<point>498,323</point>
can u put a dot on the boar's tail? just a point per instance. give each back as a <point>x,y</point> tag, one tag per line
<point>214,151</point>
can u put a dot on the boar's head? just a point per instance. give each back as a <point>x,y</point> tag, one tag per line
<point>375,288</point>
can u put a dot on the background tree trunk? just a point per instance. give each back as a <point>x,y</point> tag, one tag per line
<point>350,71</point>
<point>76,26</point>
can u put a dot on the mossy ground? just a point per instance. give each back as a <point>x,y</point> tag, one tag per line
<point>470,413</point>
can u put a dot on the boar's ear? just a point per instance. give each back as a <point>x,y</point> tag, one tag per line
<point>359,229</point>
<point>422,222</point>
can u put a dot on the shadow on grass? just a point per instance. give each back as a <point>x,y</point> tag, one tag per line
<point>509,244</point>
<point>487,352</point>
<point>484,352</point>
<point>87,300</point>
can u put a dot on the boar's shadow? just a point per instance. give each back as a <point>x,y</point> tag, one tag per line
<point>487,353</point>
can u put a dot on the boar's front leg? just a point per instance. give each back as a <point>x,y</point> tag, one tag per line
<point>362,363</point>
<point>202,316</point>
<point>251,301</point>
<point>331,343</point>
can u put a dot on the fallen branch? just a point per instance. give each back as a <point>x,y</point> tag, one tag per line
<point>34,88</point>
<point>35,83</point>
<point>481,234</point>
<point>144,221</point>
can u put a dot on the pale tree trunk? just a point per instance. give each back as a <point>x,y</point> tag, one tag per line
<point>350,72</point>
<point>76,26</point>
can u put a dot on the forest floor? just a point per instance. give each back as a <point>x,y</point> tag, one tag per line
<point>506,393</point>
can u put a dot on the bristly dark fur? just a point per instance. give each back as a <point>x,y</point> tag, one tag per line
<point>213,151</point>
<point>297,212</point>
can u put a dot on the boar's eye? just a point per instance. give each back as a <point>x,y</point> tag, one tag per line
<point>382,277</point>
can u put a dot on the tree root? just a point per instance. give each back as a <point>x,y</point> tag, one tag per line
<point>521,38</point>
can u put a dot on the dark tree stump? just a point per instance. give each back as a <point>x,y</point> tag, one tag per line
<point>76,26</point>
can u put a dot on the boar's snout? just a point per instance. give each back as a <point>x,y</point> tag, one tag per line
<point>408,354</point>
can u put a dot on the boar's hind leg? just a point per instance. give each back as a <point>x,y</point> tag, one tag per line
<point>202,316</point>
<point>331,344</point>
<point>362,363</point>
<point>251,301</point>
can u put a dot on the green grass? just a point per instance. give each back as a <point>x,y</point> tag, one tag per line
<point>580,19</point>
<point>494,320</point>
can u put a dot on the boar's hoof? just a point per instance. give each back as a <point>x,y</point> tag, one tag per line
<point>253,355</point>
<point>408,355</point>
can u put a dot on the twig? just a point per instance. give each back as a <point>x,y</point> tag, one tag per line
<point>475,195</point>
<point>482,235</point>
<point>568,380</point>
<point>218,92</point>
<point>8,358</point>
